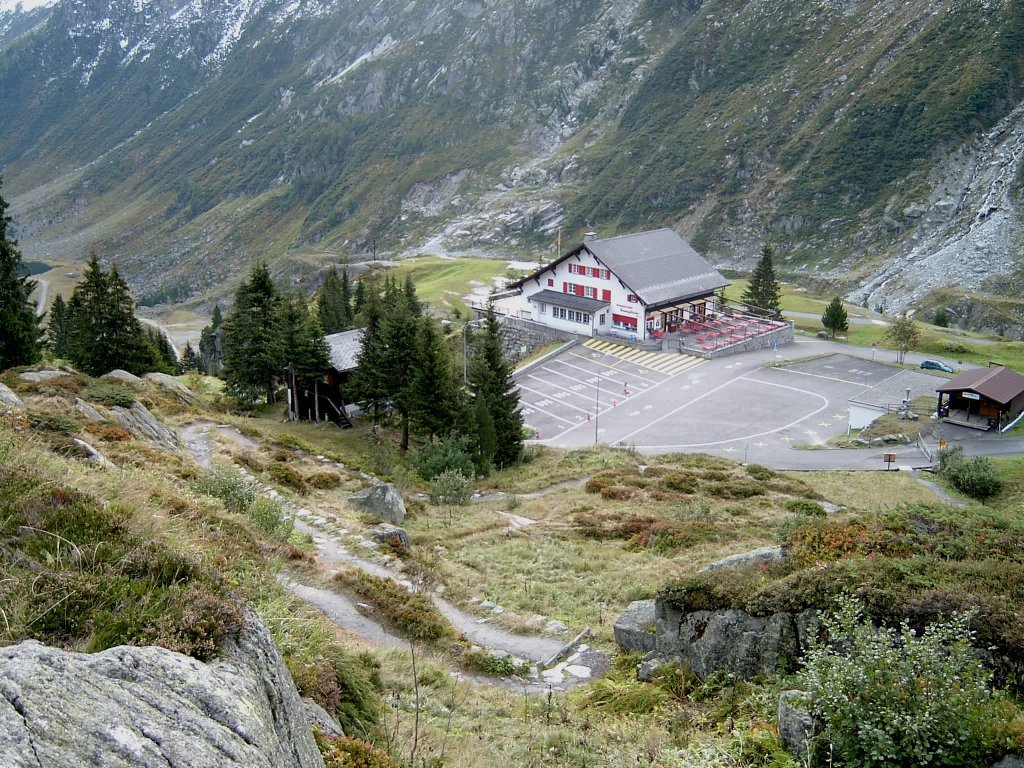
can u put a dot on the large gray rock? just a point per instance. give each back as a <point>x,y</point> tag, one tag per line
<point>173,386</point>
<point>9,399</point>
<point>755,557</point>
<point>385,533</point>
<point>143,424</point>
<point>131,707</point>
<point>93,455</point>
<point>797,726</point>
<point>732,640</point>
<point>123,376</point>
<point>634,629</point>
<point>88,410</point>
<point>322,719</point>
<point>37,377</point>
<point>382,501</point>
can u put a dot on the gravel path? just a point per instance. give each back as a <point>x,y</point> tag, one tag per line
<point>581,663</point>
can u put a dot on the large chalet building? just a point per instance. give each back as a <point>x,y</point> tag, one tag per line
<point>633,286</point>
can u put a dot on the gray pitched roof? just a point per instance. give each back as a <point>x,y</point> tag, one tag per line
<point>658,265</point>
<point>569,301</point>
<point>344,349</point>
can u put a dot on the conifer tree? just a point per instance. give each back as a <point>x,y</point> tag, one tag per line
<point>334,307</point>
<point>359,298</point>
<point>835,318</point>
<point>763,294</point>
<point>398,328</point>
<point>437,399</point>
<point>58,329</point>
<point>210,344</point>
<point>491,381</point>
<point>20,330</point>
<point>307,356</point>
<point>253,354</point>
<point>190,360</point>
<point>104,333</point>
<point>367,386</point>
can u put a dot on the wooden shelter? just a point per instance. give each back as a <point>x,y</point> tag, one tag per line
<point>324,399</point>
<point>982,398</point>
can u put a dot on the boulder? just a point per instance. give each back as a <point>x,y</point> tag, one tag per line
<point>1010,761</point>
<point>173,386</point>
<point>9,399</point>
<point>123,376</point>
<point>132,707</point>
<point>320,718</point>
<point>755,557</point>
<point>37,377</point>
<point>88,410</point>
<point>634,629</point>
<point>94,455</point>
<point>386,533</point>
<point>381,501</point>
<point>143,424</point>
<point>797,726</point>
<point>732,640</point>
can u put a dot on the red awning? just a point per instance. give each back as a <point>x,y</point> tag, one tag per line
<point>624,320</point>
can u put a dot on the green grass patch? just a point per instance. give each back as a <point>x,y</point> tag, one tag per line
<point>442,282</point>
<point>412,614</point>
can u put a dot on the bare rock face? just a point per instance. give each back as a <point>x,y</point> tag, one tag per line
<point>153,708</point>
<point>755,557</point>
<point>383,501</point>
<point>9,399</point>
<point>143,424</point>
<point>797,726</point>
<point>172,386</point>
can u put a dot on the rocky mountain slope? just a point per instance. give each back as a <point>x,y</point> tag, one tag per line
<point>876,144</point>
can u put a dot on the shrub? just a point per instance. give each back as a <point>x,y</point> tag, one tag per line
<point>618,492</point>
<point>269,516</point>
<point>683,482</point>
<point>896,697</point>
<point>758,472</point>
<point>450,487</point>
<point>64,424</point>
<point>734,489</point>
<point>412,614</point>
<point>282,474</point>
<point>976,477</point>
<point>324,481</point>
<point>109,393</point>
<point>348,752</point>
<point>805,507</point>
<point>488,664</point>
<point>452,453</point>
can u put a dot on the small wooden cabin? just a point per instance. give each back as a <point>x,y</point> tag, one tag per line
<point>324,399</point>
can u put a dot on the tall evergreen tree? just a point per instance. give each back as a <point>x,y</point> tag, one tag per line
<point>58,330</point>
<point>367,386</point>
<point>190,360</point>
<point>19,321</point>
<point>437,400</point>
<point>307,356</point>
<point>835,318</point>
<point>491,381</point>
<point>211,355</point>
<point>398,327</point>
<point>763,294</point>
<point>253,353</point>
<point>359,299</point>
<point>334,307</point>
<point>104,332</point>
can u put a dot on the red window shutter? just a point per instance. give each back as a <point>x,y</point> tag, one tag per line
<point>551,282</point>
<point>579,290</point>
<point>606,295</point>
<point>565,287</point>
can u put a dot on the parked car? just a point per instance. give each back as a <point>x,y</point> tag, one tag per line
<point>935,365</point>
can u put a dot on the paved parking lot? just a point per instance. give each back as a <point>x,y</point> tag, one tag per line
<point>600,392</point>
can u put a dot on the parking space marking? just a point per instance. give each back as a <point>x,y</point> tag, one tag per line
<point>603,365</point>
<point>541,403</point>
<point>864,384</point>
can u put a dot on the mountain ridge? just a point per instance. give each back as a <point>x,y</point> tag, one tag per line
<point>196,137</point>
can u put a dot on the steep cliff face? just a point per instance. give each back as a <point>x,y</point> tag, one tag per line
<point>147,706</point>
<point>865,139</point>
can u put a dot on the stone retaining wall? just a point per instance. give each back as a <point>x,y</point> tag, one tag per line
<point>523,337</point>
<point>781,336</point>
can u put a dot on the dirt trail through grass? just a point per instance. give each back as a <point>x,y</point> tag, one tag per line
<point>580,666</point>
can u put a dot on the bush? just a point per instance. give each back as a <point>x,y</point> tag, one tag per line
<point>324,481</point>
<point>683,482</point>
<point>452,453</point>
<point>287,476</point>
<point>270,517</point>
<point>976,477</point>
<point>109,393</point>
<point>412,614</point>
<point>450,487</point>
<point>243,498</point>
<point>805,507</point>
<point>487,664</point>
<point>758,472</point>
<point>348,752</point>
<point>894,697</point>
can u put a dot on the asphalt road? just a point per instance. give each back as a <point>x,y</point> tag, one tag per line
<point>772,408</point>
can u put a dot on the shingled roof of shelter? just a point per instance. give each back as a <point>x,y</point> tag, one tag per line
<point>998,384</point>
<point>658,265</point>
<point>569,300</point>
<point>344,349</point>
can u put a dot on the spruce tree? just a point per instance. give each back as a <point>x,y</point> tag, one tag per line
<point>763,294</point>
<point>835,318</point>
<point>437,399</point>
<point>359,299</point>
<point>491,381</point>
<point>58,329</point>
<point>103,331</point>
<point>347,313</point>
<point>333,306</point>
<point>398,328</point>
<point>307,356</point>
<point>20,330</point>
<point>190,360</point>
<point>210,345</point>
<point>367,386</point>
<point>253,353</point>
